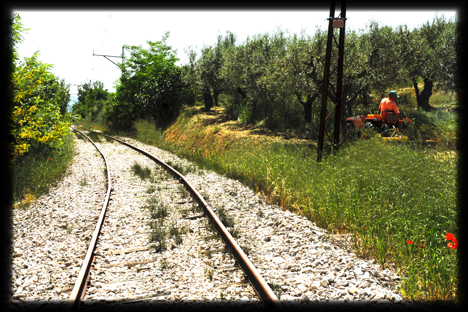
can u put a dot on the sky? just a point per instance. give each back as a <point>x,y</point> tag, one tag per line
<point>68,39</point>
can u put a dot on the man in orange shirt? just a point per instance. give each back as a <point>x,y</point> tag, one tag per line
<point>389,104</point>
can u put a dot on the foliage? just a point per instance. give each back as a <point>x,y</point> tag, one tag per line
<point>429,53</point>
<point>39,102</point>
<point>17,29</point>
<point>36,120</point>
<point>91,99</point>
<point>151,86</point>
<point>275,78</point>
<point>209,66</point>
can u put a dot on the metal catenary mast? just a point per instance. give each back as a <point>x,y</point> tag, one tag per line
<point>106,56</point>
<point>334,22</point>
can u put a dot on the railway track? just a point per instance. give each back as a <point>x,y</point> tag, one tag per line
<point>107,265</point>
<point>158,246</point>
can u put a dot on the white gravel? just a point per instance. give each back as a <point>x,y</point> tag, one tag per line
<point>301,262</point>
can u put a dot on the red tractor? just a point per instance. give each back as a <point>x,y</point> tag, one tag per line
<point>386,124</point>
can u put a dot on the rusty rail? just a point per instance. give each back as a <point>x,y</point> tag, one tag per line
<point>260,286</point>
<point>79,289</point>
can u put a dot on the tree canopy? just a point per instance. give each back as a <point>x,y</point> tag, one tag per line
<point>91,99</point>
<point>274,77</point>
<point>39,101</point>
<point>150,86</point>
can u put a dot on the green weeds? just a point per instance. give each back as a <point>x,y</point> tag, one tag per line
<point>94,136</point>
<point>183,170</point>
<point>138,170</point>
<point>160,232</point>
<point>225,218</point>
<point>34,173</point>
<point>147,133</point>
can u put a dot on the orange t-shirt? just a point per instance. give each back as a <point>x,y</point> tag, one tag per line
<point>388,104</point>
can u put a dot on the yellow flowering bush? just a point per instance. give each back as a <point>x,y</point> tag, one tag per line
<point>36,118</point>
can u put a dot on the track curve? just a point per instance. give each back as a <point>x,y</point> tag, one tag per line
<point>262,289</point>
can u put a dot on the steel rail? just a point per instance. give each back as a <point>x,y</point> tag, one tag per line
<point>264,292</point>
<point>80,286</point>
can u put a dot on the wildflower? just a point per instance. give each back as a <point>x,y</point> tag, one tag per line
<point>452,246</point>
<point>422,246</point>
<point>409,242</point>
<point>449,236</point>
<point>50,159</point>
<point>454,243</point>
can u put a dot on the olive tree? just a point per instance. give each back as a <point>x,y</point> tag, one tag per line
<point>429,53</point>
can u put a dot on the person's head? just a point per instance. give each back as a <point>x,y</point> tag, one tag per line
<point>393,95</point>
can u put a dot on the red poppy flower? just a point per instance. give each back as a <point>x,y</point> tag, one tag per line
<point>409,242</point>
<point>454,243</point>
<point>422,246</point>
<point>50,159</point>
<point>451,246</point>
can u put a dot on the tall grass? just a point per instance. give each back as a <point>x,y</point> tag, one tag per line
<point>35,172</point>
<point>383,195</point>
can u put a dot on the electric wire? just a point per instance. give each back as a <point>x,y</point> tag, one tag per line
<point>101,44</point>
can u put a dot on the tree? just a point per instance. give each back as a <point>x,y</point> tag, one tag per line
<point>428,53</point>
<point>36,120</point>
<point>242,71</point>
<point>210,80</point>
<point>295,73</point>
<point>189,76</point>
<point>151,86</point>
<point>207,66</point>
<point>91,99</point>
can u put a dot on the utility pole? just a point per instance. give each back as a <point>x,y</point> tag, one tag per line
<point>122,57</point>
<point>333,23</point>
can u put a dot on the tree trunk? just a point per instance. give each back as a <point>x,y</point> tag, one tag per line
<point>416,90</point>
<point>215,95</point>
<point>307,110</point>
<point>242,93</point>
<point>307,105</point>
<point>208,100</point>
<point>426,94</point>
<point>253,115</point>
<point>423,98</point>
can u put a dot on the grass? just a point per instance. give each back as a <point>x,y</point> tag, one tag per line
<point>138,170</point>
<point>408,193</point>
<point>225,218</point>
<point>35,172</point>
<point>160,232</point>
